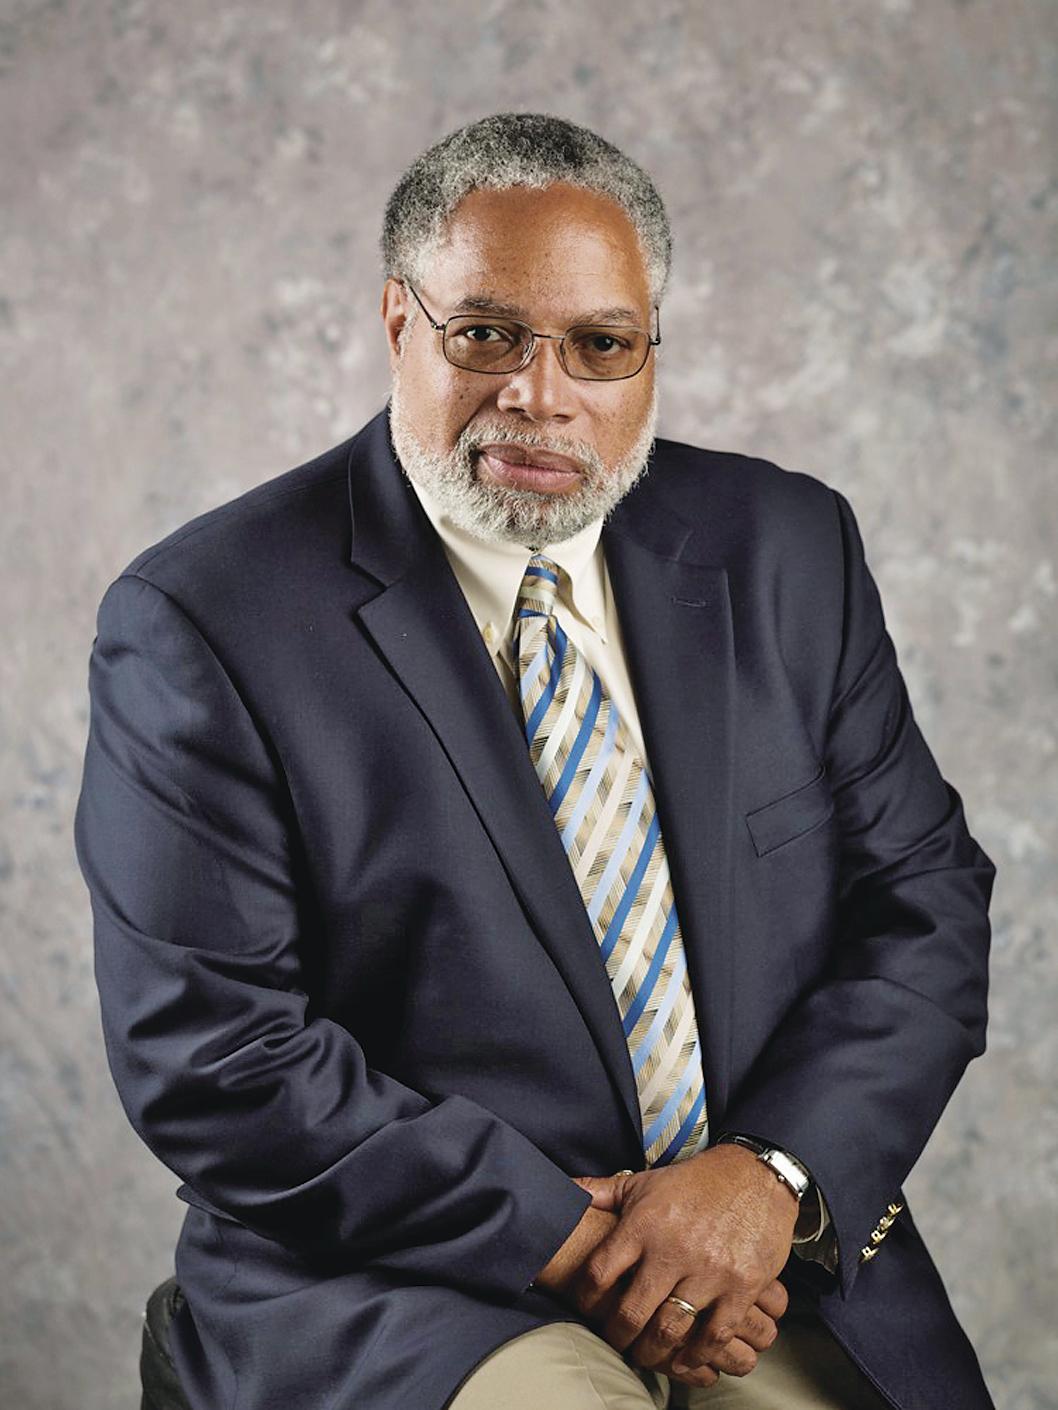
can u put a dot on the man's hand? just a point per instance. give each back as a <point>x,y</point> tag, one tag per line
<point>557,1277</point>
<point>714,1230</point>
<point>663,1338</point>
<point>660,1347</point>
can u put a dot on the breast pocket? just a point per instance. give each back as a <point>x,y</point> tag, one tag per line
<point>792,815</point>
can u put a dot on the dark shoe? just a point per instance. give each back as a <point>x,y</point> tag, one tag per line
<point>161,1388</point>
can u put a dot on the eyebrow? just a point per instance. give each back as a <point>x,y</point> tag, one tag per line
<point>485,303</point>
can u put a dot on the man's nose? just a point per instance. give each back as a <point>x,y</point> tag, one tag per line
<point>542,390</point>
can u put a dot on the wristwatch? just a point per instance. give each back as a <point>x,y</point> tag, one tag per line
<point>790,1171</point>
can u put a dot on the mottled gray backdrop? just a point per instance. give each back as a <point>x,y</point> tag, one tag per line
<point>864,201</point>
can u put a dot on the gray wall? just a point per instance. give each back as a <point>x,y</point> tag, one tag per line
<point>864,201</point>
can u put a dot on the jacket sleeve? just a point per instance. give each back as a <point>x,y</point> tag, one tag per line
<point>185,836</point>
<point>855,1078</point>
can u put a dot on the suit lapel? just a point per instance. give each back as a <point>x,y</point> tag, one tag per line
<point>676,623</point>
<point>677,629</point>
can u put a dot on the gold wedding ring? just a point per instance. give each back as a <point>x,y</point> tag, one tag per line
<point>686,1306</point>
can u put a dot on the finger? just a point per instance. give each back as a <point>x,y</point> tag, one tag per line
<point>608,1304</point>
<point>703,1376</point>
<point>663,1335</point>
<point>757,1329</point>
<point>610,1259</point>
<point>715,1331</point>
<point>774,1300</point>
<point>637,1305</point>
<point>737,1358</point>
<point>604,1191</point>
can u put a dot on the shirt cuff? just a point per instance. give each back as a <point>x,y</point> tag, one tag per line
<point>813,1216</point>
<point>814,1237</point>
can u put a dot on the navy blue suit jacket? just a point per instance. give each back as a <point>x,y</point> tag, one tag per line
<point>349,990</point>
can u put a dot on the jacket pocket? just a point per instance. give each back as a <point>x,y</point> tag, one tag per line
<point>792,815</point>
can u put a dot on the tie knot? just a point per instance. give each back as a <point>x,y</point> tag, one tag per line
<point>539,589</point>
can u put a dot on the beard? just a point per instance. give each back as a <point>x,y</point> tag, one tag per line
<point>493,512</point>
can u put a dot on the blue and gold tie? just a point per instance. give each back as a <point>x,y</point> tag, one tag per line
<point>600,796</point>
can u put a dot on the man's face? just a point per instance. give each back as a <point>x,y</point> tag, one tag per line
<point>553,258</point>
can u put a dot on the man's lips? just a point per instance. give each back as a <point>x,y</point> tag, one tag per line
<point>524,467</point>
<point>513,454</point>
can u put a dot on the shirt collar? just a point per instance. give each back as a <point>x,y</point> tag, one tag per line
<point>490,571</point>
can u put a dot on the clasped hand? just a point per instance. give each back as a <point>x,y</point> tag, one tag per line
<point>713,1230</point>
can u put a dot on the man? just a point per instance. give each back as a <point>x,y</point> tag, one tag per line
<point>528,918</point>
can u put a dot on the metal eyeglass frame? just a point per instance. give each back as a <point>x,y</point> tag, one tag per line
<point>559,338</point>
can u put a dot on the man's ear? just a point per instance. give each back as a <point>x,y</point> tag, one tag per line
<point>395,315</point>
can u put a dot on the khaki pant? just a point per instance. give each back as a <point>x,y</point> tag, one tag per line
<point>565,1366</point>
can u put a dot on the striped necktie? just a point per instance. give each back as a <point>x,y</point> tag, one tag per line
<point>600,796</point>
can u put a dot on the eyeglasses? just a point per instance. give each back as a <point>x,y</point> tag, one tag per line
<point>590,352</point>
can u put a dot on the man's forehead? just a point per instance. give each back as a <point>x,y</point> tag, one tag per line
<point>512,249</point>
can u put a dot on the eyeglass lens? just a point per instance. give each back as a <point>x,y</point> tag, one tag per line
<point>595,352</point>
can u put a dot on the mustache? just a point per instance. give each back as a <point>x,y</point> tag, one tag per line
<point>481,433</point>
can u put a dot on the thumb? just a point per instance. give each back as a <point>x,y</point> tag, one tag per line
<point>605,1190</point>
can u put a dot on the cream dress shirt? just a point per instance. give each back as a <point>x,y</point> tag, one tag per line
<point>490,574</point>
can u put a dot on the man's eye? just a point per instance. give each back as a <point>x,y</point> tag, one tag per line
<point>485,333</point>
<point>600,343</point>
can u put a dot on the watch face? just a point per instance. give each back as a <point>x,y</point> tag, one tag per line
<point>787,1170</point>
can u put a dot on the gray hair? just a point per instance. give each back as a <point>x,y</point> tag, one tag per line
<point>517,149</point>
